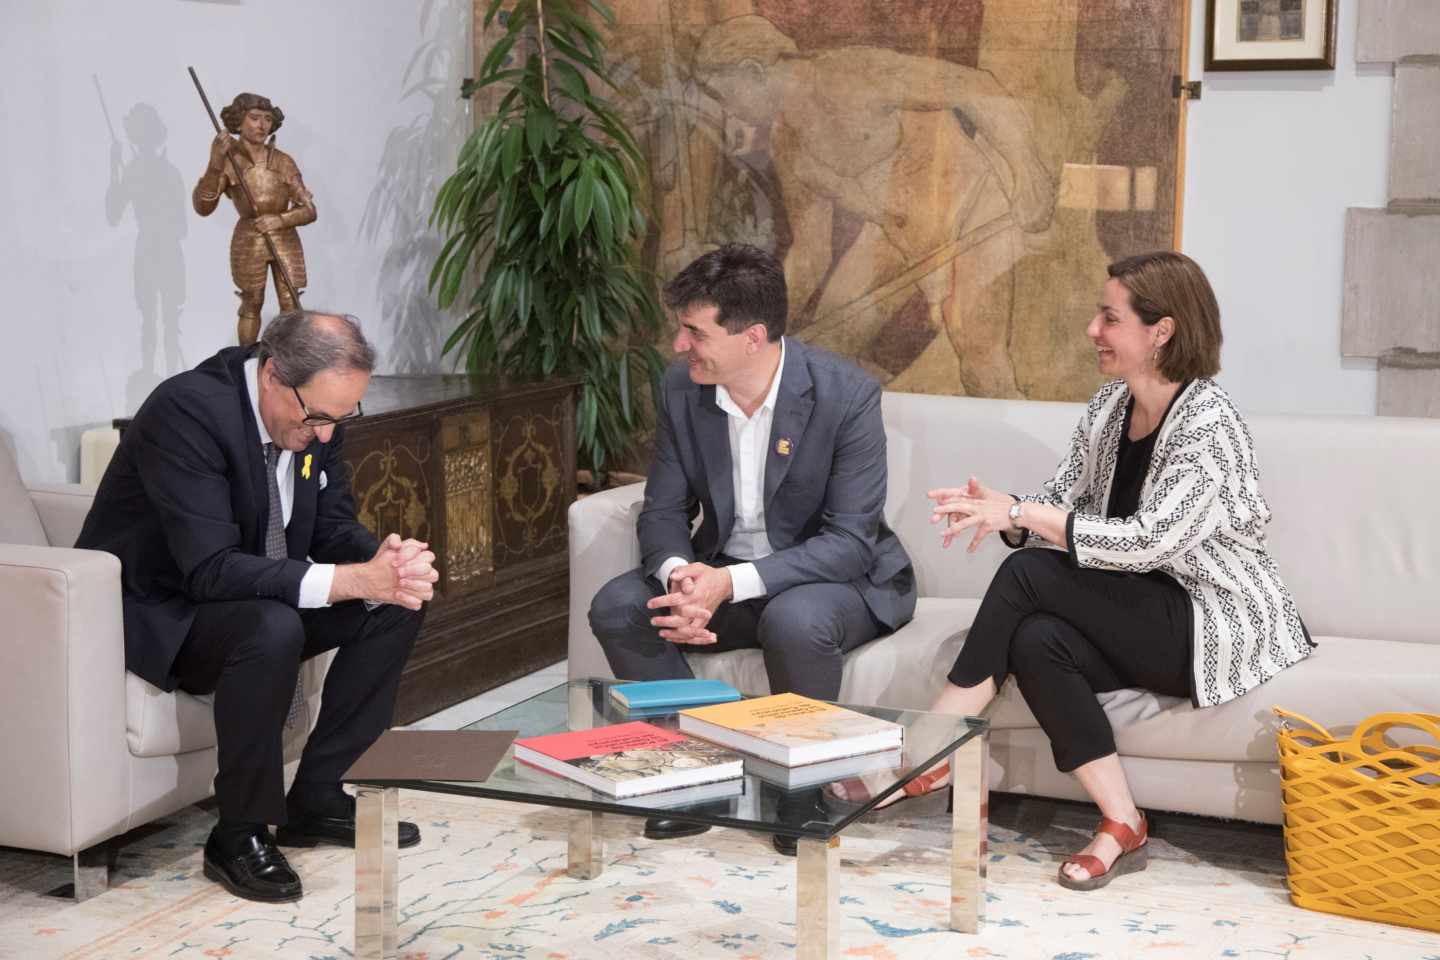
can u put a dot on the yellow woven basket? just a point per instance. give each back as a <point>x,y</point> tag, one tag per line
<point>1362,818</point>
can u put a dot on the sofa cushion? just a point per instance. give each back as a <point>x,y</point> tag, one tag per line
<point>160,724</point>
<point>1340,684</point>
<point>904,669</point>
<point>19,523</point>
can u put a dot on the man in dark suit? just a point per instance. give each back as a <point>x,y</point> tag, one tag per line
<point>782,448</point>
<point>229,507</point>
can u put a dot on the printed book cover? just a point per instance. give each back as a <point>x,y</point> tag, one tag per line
<point>790,729</point>
<point>629,759</point>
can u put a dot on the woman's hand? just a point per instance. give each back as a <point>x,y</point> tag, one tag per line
<point>972,506</point>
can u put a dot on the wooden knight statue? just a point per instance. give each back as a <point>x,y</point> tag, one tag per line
<point>265,237</point>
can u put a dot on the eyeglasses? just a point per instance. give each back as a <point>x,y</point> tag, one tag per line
<point>322,420</point>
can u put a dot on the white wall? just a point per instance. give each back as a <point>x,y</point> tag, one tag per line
<point>369,89</point>
<point>1272,161</point>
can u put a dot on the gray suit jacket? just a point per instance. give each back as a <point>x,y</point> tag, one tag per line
<point>823,498</point>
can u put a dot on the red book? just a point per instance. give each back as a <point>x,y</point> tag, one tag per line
<point>630,759</point>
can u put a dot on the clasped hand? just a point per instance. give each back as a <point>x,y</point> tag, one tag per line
<point>402,572</point>
<point>696,592</point>
<point>973,506</point>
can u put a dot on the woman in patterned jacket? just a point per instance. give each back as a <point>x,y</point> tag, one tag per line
<point>1156,576</point>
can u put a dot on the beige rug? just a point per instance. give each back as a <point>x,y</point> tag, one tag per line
<point>488,883</point>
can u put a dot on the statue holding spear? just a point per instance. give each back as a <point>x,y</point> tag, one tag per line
<point>265,186</point>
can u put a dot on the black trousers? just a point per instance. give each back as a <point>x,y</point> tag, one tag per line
<point>804,632</point>
<point>248,653</point>
<point>1068,633</point>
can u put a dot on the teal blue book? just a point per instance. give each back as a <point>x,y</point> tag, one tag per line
<point>669,693</point>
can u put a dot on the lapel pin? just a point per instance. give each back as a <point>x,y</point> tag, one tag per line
<point>305,467</point>
<point>783,446</point>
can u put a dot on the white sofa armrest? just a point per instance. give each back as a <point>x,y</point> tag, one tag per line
<point>602,546</point>
<point>62,508</point>
<point>62,699</point>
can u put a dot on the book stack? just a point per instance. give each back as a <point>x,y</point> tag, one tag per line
<point>799,741</point>
<point>635,759</point>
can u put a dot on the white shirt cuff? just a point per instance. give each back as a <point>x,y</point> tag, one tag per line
<point>745,582</point>
<point>315,585</point>
<point>667,568</point>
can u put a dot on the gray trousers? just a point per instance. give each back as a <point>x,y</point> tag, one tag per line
<point>804,632</point>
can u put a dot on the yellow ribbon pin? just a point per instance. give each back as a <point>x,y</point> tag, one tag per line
<point>305,467</point>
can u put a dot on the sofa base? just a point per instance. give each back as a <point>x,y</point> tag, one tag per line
<point>1020,762</point>
<point>92,869</point>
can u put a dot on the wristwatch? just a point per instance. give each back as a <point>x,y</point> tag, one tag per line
<point>1015,514</point>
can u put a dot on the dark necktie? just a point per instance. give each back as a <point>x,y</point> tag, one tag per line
<point>275,549</point>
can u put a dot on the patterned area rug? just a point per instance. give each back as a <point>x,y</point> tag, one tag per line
<point>488,883</point>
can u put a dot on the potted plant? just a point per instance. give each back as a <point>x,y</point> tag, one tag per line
<point>544,208</point>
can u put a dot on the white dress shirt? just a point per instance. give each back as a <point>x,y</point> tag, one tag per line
<point>749,446</point>
<point>315,585</point>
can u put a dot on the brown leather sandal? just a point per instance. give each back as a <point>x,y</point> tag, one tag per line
<point>922,797</point>
<point>1134,856</point>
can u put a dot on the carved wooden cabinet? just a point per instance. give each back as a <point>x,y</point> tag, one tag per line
<point>484,471</point>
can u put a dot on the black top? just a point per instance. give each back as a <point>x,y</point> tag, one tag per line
<point>1132,462</point>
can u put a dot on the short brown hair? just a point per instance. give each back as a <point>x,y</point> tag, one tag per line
<point>1167,284</point>
<point>245,102</point>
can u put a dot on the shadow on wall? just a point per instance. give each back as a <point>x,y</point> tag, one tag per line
<point>417,159</point>
<point>143,179</point>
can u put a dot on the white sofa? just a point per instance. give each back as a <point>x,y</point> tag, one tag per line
<point>89,750</point>
<point>1356,532</point>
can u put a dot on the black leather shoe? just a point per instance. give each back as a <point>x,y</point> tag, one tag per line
<point>257,870</point>
<point>310,830</point>
<point>662,828</point>
<point>797,809</point>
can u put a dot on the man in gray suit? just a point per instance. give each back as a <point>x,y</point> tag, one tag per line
<point>782,448</point>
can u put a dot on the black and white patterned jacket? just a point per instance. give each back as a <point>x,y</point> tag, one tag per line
<point>1201,519</point>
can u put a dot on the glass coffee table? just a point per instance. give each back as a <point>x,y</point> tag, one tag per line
<point>761,807</point>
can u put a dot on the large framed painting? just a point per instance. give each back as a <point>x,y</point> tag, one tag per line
<point>944,180</point>
<point>1270,34</point>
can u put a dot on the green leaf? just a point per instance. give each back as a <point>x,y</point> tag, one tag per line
<point>567,210</point>
<point>570,82</point>
<point>606,14</point>
<point>584,198</point>
<point>510,153</point>
<point>576,22</point>
<point>495,57</point>
<point>625,387</point>
<point>603,221</point>
<point>596,68</point>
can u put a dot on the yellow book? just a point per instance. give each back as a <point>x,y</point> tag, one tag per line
<point>791,730</point>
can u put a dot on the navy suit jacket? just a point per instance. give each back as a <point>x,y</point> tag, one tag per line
<point>184,505</point>
<point>825,478</point>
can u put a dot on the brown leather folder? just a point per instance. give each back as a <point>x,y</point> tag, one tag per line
<point>400,755</point>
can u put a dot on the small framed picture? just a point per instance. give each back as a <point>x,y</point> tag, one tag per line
<point>1270,34</point>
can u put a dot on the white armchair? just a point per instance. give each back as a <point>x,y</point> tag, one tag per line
<point>90,751</point>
